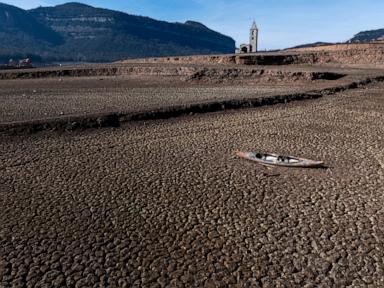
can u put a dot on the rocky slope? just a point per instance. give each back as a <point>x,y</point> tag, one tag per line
<point>78,32</point>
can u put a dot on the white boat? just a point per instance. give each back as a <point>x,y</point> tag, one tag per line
<point>279,160</point>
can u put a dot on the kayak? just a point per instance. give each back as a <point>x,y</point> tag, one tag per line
<point>279,160</point>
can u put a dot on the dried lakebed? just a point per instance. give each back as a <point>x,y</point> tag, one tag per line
<point>166,203</point>
<point>68,103</point>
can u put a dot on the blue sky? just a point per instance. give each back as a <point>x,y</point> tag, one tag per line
<point>282,23</point>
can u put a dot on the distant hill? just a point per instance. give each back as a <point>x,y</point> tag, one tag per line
<point>78,32</point>
<point>310,45</point>
<point>21,34</point>
<point>368,36</point>
<point>361,37</point>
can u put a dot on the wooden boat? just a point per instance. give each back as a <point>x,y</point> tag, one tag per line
<point>279,160</point>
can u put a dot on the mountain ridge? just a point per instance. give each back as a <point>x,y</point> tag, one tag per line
<point>79,32</point>
<point>368,36</point>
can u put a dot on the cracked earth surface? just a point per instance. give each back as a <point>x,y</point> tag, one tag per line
<point>49,98</point>
<point>166,203</point>
<point>45,98</point>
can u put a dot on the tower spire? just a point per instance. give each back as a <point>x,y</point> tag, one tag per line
<point>253,37</point>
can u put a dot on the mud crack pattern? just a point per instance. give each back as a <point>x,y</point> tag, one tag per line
<point>167,204</point>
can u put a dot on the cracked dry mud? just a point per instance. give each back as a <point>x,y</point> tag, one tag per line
<point>48,98</point>
<point>167,204</point>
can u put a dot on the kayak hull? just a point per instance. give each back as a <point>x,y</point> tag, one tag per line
<point>278,160</point>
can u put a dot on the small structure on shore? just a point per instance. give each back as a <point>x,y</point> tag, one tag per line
<point>25,63</point>
<point>22,64</point>
<point>253,41</point>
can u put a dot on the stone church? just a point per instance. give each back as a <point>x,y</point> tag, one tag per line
<point>253,38</point>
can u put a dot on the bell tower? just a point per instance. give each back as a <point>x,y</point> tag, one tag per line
<point>253,38</point>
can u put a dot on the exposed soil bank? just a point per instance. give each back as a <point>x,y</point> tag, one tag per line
<point>335,54</point>
<point>98,71</point>
<point>187,73</point>
<point>114,119</point>
<point>210,75</point>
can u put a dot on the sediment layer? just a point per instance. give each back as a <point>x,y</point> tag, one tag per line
<point>188,73</point>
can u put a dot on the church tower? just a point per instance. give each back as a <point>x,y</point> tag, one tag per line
<point>253,37</point>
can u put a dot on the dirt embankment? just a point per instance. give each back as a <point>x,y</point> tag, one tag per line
<point>99,71</point>
<point>259,75</point>
<point>187,66</point>
<point>240,59</point>
<point>347,54</point>
<point>341,47</point>
<point>368,54</point>
<point>186,73</point>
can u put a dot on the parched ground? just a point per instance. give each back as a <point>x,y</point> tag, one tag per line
<point>142,87</point>
<point>50,98</point>
<point>167,203</point>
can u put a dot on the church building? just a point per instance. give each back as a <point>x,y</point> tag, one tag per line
<point>253,39</point>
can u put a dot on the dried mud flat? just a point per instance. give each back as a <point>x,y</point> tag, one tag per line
<point>167,204</point>
<point>136,90</point>
<point>50,98</point>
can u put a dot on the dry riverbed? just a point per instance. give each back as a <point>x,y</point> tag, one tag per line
<point>166,203</point>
